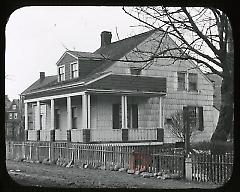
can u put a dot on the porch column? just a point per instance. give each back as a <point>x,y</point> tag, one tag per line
<point>88,111</point>
<point>52,128</point>
<point>86,117</point>
<point>124,118</point>
<point>69,118</point>
<point>37,125</point>
<point>84,111</point>
<point>160,112</point>
<point>26,120</point>
<point>125,113</point>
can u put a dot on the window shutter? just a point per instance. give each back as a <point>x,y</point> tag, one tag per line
<point>115,116</point>
<point>200,118</point>
<point>134,116</point>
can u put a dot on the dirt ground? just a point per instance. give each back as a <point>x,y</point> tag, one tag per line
<point>33,174</point>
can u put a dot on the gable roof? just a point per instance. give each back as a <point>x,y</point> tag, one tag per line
<point>115,50</point>
<point>118,49</point>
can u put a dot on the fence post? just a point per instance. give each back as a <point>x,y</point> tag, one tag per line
<point>23,150</point>
<point>51,155</point>
<point>188,168</point>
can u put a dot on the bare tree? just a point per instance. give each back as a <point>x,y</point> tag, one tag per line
<point>176,126</point>
<point>204,36</point>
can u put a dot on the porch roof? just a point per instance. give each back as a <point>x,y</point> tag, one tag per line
<point>107,83</point>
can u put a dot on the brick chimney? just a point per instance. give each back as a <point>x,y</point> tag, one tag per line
<point>42,75</point>
<point>106,38</point>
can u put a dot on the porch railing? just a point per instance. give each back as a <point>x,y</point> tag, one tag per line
<point>60,135</point>
<point>106,135</point>
<point>32,135</point>
<point>44,135</point>
<point>76,135</point>
<point>142,134</point>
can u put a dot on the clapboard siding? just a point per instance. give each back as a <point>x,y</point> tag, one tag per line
<point>174,100</point>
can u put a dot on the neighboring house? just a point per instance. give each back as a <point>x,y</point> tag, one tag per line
<point>12,119</point>
<point>98,97</point>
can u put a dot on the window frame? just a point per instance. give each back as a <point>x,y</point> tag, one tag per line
<point>196,75</point>
<point>10,116</point>
<point>74,117</point>
<point>64,73</point>
<point>185,83</point>
<point>57,118</point>
<point>71,69</point>
<point>15,115</point>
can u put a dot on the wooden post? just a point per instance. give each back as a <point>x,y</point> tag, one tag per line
<point>123,110</point>
<point>69,113</point>
<point>26,121</point>
<point>84,111</point>
<point>160,112</point>
<point>52,115</point>
<point>69,118</point>
<point>52,128</point>
<point>38,113</point>
<point>186,125</point>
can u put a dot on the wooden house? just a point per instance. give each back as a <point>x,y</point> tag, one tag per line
<point>102,97</point>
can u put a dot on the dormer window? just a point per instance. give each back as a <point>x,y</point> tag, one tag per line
<point>61,73</point>
<point>14,107</point>
<point>74,70</point>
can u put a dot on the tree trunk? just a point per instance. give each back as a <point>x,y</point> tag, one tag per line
<point>225,122</point>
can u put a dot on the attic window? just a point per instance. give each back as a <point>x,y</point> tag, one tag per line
<point>135,70</point>
<point>74,70</point>
<point>61,73</point>
<point>14,107</point>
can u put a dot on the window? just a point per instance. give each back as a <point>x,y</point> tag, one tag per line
<point>61,73</point>
<point>15,116</point>
<point>57,118</point>
<point>132,116</point>
<point>135,70</point>
<point>117,116</point>
<point>74,70</point>
<point>74,117</point>
<point>10,115</point>
<point>186,81</point>
<point>14,107</point>
<point>196,118</point>
<point>41,122</point>
<point>181,81</point>
<point>192,82</point>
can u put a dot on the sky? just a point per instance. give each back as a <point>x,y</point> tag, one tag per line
<point>36,37</point>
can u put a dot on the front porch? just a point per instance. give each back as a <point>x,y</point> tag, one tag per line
<point>95,117</point>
